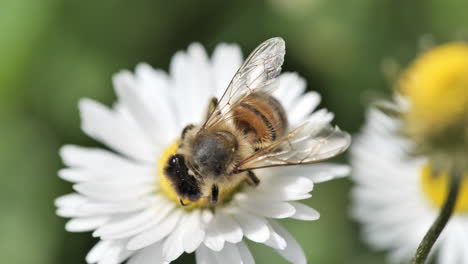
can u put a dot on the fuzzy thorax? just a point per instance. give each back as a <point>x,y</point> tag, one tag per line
<point>228,182</point>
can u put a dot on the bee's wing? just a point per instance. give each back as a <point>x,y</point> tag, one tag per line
<point>309,143</point>
<point>257,72</point>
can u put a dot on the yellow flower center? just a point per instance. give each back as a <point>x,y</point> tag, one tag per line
<point>167,189</point>
<point>436,84</point>
<point>436,187</point>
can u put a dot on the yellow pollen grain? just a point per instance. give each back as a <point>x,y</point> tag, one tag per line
<point>435,187</point>
<point>166,188</point>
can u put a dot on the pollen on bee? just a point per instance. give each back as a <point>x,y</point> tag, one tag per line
<point>164,184</point>
<point>165,187</point>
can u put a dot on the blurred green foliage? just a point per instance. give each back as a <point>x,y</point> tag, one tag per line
<point>53,52</point>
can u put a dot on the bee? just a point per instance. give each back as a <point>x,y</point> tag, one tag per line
<point>247,129</point>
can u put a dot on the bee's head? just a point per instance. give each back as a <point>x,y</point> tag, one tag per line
<point>186,185</point>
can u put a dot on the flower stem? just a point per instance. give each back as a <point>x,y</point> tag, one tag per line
<point>439,224</point>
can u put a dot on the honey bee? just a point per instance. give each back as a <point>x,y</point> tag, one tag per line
<point>247,129</point>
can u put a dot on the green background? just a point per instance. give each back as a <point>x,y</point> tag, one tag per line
<point>53,52</point>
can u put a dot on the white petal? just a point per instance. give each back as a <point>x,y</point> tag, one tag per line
<point>275,240</point>
<point>116,228</point>
<point>105,208</point>
<point>202,76</point>
<point>104,162</point>
<point>96,253</point>
<point>213,239</point>
<point>245,254</point>
<point>113,130</point>
<point>279,195</point>
<point>317,173</point>
<point>122,176</point>
<point>124,255</point>
<point>130,97</point>
<point>153,84</point>
<point>302,108</point>
<point>228,228</point>
<point>157,232</point>
<point>70,200</point>
<point>68,205</point>
<point>173,246</point>
<point>111,256</point>
<point>319,118</point>
<point>326,171</point>
<point>285,183</point>
<point>76,175</point>
<point>293,252</point>
<point>149,255</point>
<point>191,78</point>
<point>109,192</point>
<point>392,220</point>
<point>304,212</point>
<point>254,227</point>
<point>131,231</point>
<point>226,60</point>
<point>400,254</point>
<point>154,90</point>
<point>446,253</point>
<point>464,240</point>
<point>284,188</point>
<point>67,212</point>
<point>291,86</point>
<point>271,209</point>
<point>195,234</point>
<point>229,255</point>
<point>203,255</point>
<point>85,224</point>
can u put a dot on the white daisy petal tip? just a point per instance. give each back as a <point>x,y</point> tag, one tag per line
<point>123,198</point>
<point>341,170</point>
<point>228,50</point>
<point>85,224</point>
<point>122,78</point>
<point>275,240</point>
<point>303,212</point>
<point>64,150</point>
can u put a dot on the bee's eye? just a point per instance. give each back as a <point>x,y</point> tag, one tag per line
<point>176,160</point>
<point>173,160</point>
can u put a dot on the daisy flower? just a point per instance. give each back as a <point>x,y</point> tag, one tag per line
<point>397,197</point>
<point>123,196</point>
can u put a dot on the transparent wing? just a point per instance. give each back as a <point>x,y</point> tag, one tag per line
<point>310,143</point>
<point>258,72</point>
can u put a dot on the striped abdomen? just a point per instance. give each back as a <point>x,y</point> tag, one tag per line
<point>262,118</point>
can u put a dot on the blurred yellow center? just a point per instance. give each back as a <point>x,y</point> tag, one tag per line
<point>436,187</point>
<point>167,189</point>
<point>436,85</point>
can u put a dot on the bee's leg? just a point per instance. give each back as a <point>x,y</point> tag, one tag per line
<point>252,178</point>
<point>211,107</point>
<point>182,202</point>
<point>214,193</point>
